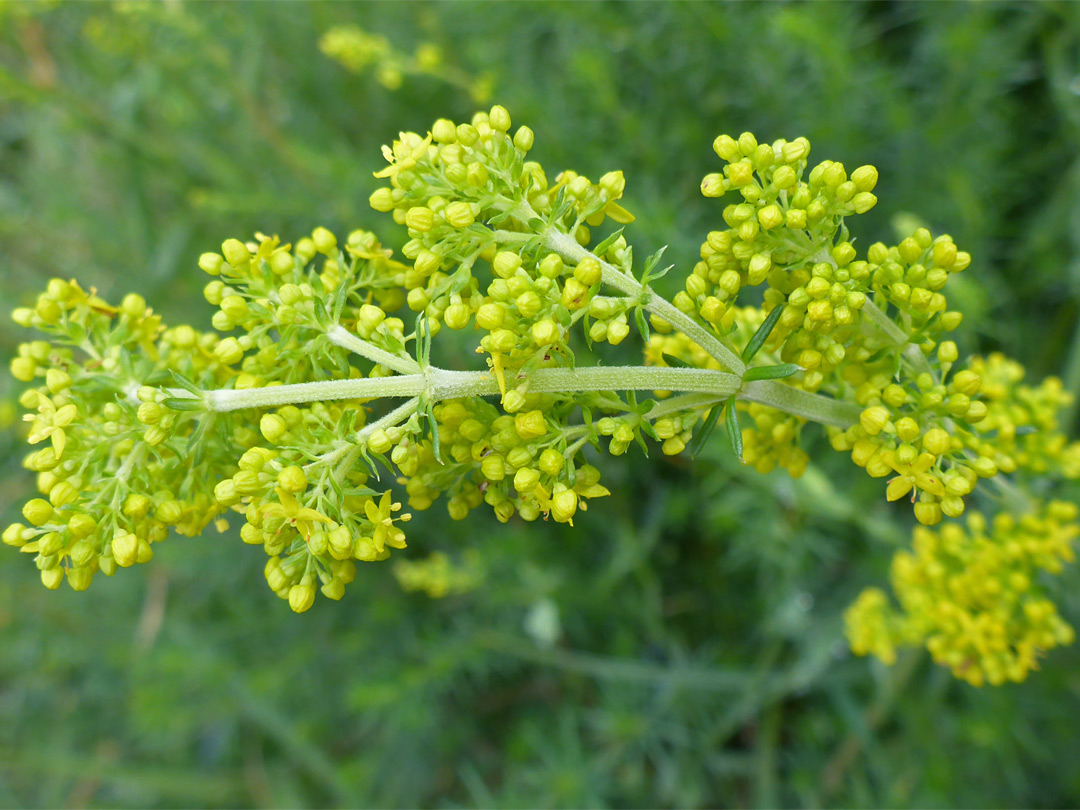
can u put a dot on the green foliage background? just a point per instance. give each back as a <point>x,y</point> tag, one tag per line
<point>699,658</point>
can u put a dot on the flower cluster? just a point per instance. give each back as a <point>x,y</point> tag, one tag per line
<point>974,597</point>
<point>438,576</point>
<point>357,50</point>
<point>286,413</point>
<point>110,455</point>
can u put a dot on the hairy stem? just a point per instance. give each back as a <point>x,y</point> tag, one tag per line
<point>340,336</point>
<point>438,384</point>
<point>569,249</point>
<point>814,407</point>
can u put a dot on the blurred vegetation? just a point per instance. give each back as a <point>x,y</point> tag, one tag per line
<point>681,645</point>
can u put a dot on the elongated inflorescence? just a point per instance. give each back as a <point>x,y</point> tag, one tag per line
<point>317,406</point>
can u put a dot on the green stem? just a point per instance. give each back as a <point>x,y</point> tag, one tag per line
<point>814,407</point>
<point>342,337</point>
<point>439,384</point>
<point>566,247</point>
<point>896,335</point>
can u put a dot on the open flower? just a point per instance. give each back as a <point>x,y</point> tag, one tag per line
<point>49,423</point>
<point>296,515</point>
<point>914,476</point>
<point>385,532</point>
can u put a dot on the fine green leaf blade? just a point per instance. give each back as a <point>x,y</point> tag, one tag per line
<point>184,383</point>
<point>675,362</point>
<point>734,433</point>
<point>705,429</point>
<point>602,248</point>
<point>641,323</point>
<point>762,334</point>
<point>650,263</point>
<point>183,403</point>
<point>771,372</point>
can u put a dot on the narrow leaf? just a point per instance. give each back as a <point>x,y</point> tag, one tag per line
<point>642,324</point>
<point>733,431</point>
<point>651,262</point>
<point>762,334</point>
<point>602,248</point>
<point>675,362</point>
<point>183,404</point>
<point>705,429</point>
<point>771,372</point>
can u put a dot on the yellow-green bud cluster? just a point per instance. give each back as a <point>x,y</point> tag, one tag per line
<point>358,51</point>
<point>438,576</point>
<point>137,428</point>
<point>973,596</point>
<point>108,454</point>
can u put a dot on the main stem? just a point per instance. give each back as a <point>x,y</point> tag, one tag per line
<point>436,384</point>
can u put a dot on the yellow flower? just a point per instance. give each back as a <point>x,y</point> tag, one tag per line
<point>405,153</point>
<point>50,423</point>
<point>385,533</point>
<point>913,476</point>
<point>296,515</point>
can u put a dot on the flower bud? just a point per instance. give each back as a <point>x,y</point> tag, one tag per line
<point>499,118</point>
<point>873,420</point>
<point>334,589</point>
<point>211,263</point>
<point>526,479</point>
<point>292,479</point>
<point>272,427</point>
<point>236,253</point>
<point>382,200</point>
<point>493,467</point>
<point>617,332</point>
<point>459,214</point>
<point>563,504</point>
<point>514,401</point>
<point>506,264</point>
<point>13,535</point>
<point>340,543</point>
<point>301,597</point>
<point>234,307</point>
<point>588,271</point>
<point>523,139</point>
<point>947,352</point>
<point>420,218</point>
<point>125,548</point>
<point>545,332</point>
<point>770,217</point>
<point>228,352</point>
<point>531,425</point>
<point>456,316</point>
<point>38,511</point>
<point>936,441</point>
<point>52,577</point>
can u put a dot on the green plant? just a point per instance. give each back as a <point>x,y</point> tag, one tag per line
<point>152,428</point>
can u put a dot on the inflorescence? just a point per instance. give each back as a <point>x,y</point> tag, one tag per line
<point>316,390</point>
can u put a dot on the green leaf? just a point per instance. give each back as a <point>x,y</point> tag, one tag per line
<point>705,429</point>
<point>184,404</point>
<point>649,430</point>
<point>642,324</point>
<point>184,383</point>
<point>731,422</point>
<point>429,412</point>
<point>675,362</point>
<point>762,334</point>
<point>651,262</point>
<point>602,248</point>
<point>771,372</point>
